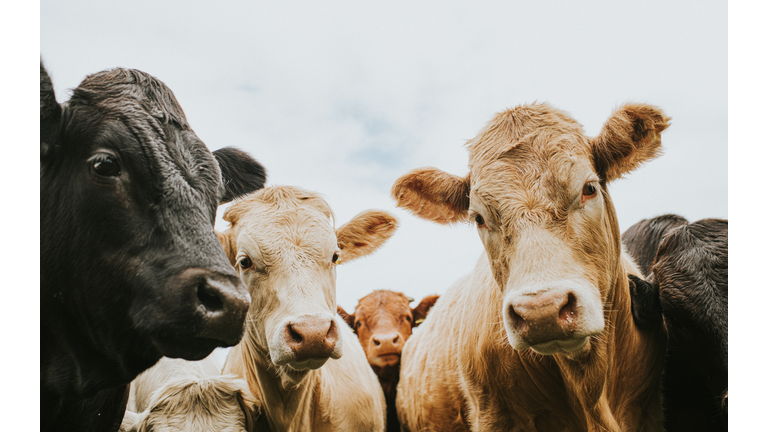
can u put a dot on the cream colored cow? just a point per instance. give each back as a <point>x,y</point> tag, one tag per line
<point>540,335</point>
<point>180,395</point>
<point>298,356</point>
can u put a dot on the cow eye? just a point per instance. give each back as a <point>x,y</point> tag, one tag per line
<point>589,190</point>
<point>106,166</point>
<point>245,263</point>
<point>357,325</point>
<point>408,318</point>
<point>479,220</point>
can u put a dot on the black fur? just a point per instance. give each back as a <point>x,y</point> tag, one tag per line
<point>690,274</point>
<point>691,271</point>
<point>646,307</point>
<point>241,172</point>
<point>125,259</point>
<point>643,238</point>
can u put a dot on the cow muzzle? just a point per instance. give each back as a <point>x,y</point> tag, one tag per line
<point>385,349</point>
<point>307,342</point>
<point>206,309</point>
<point>559,319</point>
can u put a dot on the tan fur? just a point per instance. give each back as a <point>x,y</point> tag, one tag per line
<point>183,395</point>
<point>528,168</point>
<point>375,226</point>
<point>288,233</point>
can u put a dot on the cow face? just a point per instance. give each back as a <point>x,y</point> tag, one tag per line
<point>283,244</point>
<point>383,321</point>
<point>131,269</point>
<point>537,191</point>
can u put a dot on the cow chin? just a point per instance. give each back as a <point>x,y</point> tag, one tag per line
<point>571,347</point>
<point>192,349</point>
<point>384,360</point>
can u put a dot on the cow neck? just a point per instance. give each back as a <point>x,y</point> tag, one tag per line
<point>573,386</point>
<point>286,409</point>
<point>636,361</point>
<point>388,376</point>
<point>79,369</point>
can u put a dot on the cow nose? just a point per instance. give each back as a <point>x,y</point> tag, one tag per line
<point>544,317</point>
<point>312,337</point>
<point>389,341</point>
<point>221,300</point>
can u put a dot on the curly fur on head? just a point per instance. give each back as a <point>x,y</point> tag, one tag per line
<point>222,404</point>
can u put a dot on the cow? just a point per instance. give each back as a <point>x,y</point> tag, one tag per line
<point>177,394</point>
<point>383,321</point>
<point>689,278</point>
<point>283,244</point>
<point>130,267</point>
<point>540,335</point>
<point>643,238</point>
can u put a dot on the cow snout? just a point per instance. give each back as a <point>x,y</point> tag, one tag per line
<point>312,337</point>
<point>544,317</point>
<point>223,301</point>
<point>385,349</point>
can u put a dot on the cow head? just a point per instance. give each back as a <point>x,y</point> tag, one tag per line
<point>537,191</point>
<point>131,269</point>
<point>383,320</point>
<point>221,403</point>
<point>283,244</point>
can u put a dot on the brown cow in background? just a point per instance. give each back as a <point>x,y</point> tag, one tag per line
<point>383,320</point>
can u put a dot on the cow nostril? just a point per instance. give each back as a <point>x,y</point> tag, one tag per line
<point>376,342</point>
<point>208,297</point>
<point>294,335</point>
<point>517,321</point>
<point>568,312</point>
<point>397,338</point>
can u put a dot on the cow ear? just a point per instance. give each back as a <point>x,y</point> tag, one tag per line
<point>420,312</point>
<point>364,233</point>
<point>240,173</point>
<point>433,195</point>
<point>50,114</point>
<point>631,136</point>
<point>646,305</point>
<point>228,245</point>
<point>140,423</point>
<point>349,319</point>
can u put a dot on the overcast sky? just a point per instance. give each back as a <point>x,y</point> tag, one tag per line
<point>344,97</point>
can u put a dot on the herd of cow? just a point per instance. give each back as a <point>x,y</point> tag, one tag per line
<point>563,325</point>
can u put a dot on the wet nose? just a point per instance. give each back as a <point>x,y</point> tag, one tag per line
<point>220,300</point>
<point>543,317</point>
<point>389,342</point>
<point>312,337</point>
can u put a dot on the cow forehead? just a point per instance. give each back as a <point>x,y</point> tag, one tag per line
<point>382,303</point>
<point>288,233</point>
<point>128,109</point>
<point>531,184</point>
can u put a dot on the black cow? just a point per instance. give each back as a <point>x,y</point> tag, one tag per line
<point>643,238</point>
<point>689,276</point>
<point>130,267</point>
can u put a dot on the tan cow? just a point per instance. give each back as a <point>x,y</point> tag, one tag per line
<point>283,244</point>
<point>540,335</point>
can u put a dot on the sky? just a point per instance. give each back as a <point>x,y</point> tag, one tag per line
<point>342,98</point>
